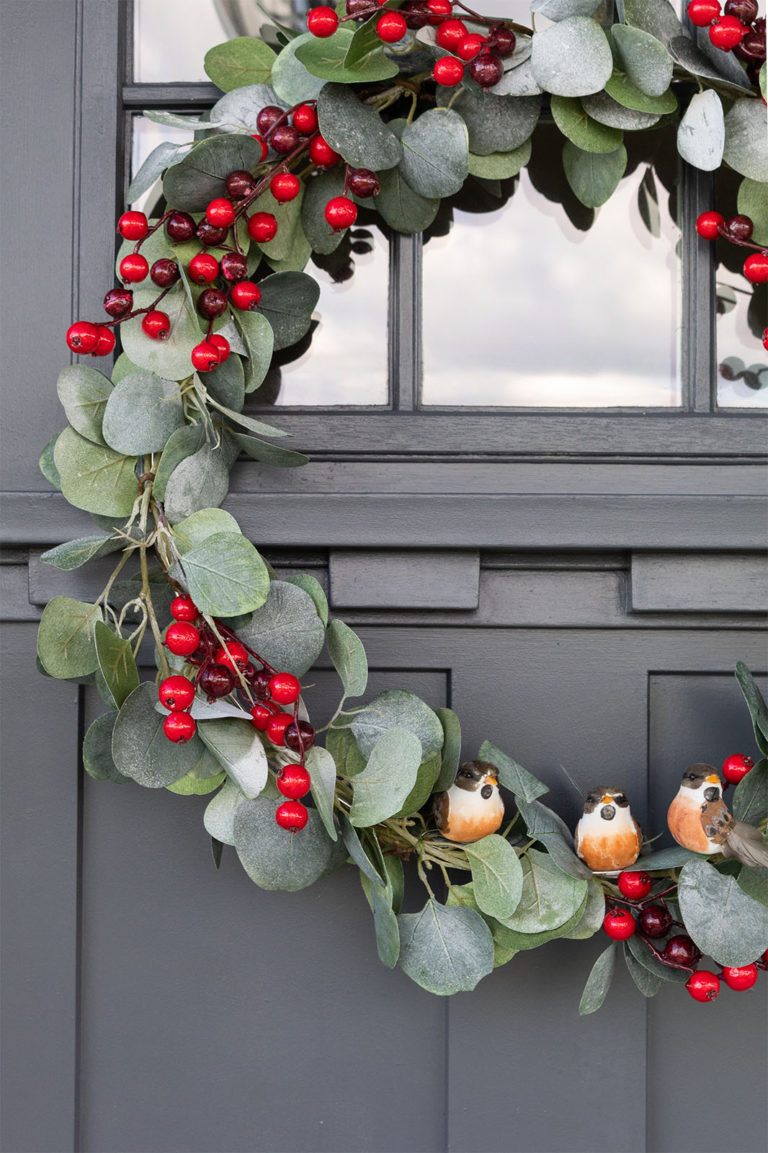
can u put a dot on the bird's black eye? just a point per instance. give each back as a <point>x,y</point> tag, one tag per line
<point>465,773</point>
<point>690,776</point>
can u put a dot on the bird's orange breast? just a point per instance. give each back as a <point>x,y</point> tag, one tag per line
<point>472,828</point>
<point>609,851</point>
<point>684,821</point>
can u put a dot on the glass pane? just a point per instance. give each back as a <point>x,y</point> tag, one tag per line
<point>145,137</point>
<point>742,315</point>
<point>541,302</point>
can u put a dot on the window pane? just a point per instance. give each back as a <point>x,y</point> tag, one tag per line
<point>145,137</point>
<point>529,305</point>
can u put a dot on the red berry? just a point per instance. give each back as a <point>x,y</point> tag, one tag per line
<point>291,815</point>
<point>321,154</point>
<point>276,726</point>
<point>262,714</point>
<point>619,924</point>
<point>736,767</point>
<point>301,736</point>
<point>363,183</point>
<point>240,183</point>
<point>655,921</point>
<point>450,33</point>
<point>105,343</point>
<point>284,688</point>
<point>180,226</point>
<point>221,344</point>
<point>234,656</point>
<point>205,356</point>
<point>341,213</point>
<point>486,69</point>
<point>305,119</point>
<point>322,21</point>
<point>118,302</point>
<point>438,10</point>
<point>391,27</point>
<point>82,336</point>
<point>284,186</point>
<point>164,272</point>
<point>203,268</point>
<point>726,32</point>
<point>234,266</point>
<point>156,324</point>
<point>634,885</point>
<point>756,267</point>
<point>182,638</point>
<point>739,977</point>
<point>293,781</point>
<point>739,227</point>
<point>765,339</point>
<point>268,117</point>
<point>448,71</point>
<point>682,950</point>
<point>217,681</point>
<point>262,227</point>
<point>176,693</point>
<point>183,608</point>
<point>246,295</point>
<point>703,12</point>
<point>703,985</point>
<point>133,225</point>
<point>264,146</point>
<point>469,47</point>
<point>211,303</point>
<point>220,212</point>
<point>709,224</point>
<point>133,267</point>
<point>179,727</point>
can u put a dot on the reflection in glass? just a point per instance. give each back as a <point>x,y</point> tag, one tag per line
<point>514,316</point>
<point>145,137</point>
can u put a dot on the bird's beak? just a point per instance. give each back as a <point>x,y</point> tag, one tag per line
<point>713,779</point>
<point>606,800</point>
<point>491,780</point>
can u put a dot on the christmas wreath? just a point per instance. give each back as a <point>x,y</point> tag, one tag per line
<point>390,107</point>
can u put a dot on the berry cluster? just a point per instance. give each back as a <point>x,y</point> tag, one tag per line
<point>482,55</point>
<point>654,921</point>
<point>733,28</point>
<point>224,667</point>
<point>738,230</point>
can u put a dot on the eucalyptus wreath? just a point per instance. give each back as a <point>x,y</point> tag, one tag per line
<point>213,291</point>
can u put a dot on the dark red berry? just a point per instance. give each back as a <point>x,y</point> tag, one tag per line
<point>321,154</point>
<point>291,815</point>
<point>284,186</point>
<point>293,781</point>
<point>276,726</point>
<point>709,224</point>
<point>234,266</point>
<point>703,12</point>
<point>182,638</point>
<point>133,225</point>
<point>240,183</point>
<point>450,33</point>
<point>681,950</point>
<point>391,27</point>
<point>118,301</point>
<point>284,688</point>
<point>619,924</point>
<point>655,921</point>
<point>322,21</point>
<point>503,40</point>
<point>341,213</point>
<point>259,680</point>
<point>209,234</point>
<point>183,608</point>
<point>756,267</point>
<point>744,10</point>
<point>179,727</point>
<point>298,737</point>
<point>133,267</point>
<point>739,227</point>
<point>105,341</point>
<point>176,693</point>
<point>261,715</point>
<point>486,69</point>
<point>726,32</point>
<point>360,8</point>
<point>363,183</point>
<point>180,226</point>
<point>752,48</point>
<point>216,681</point>
<point>203,268</point>
<point>156,325</point>
<point>246,295</point>
<point>262,227</point>
<point>415,12</point>
<point>634,885</point>
<point>211,303</point>
<point>305,119</point>
<point>703,985</point>
<point>738,977</point>
<point>448,71</point>
<point>469,47</point>
<point>220,212</point>
<point>284,139</point>
<point>268,117</point>
<point>221,344</point>
<point>736,767</point>
<point>82,336</point>
<point>164,272</point>
<point>205,356</point>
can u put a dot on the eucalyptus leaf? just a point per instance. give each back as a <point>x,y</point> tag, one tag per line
<point>237,747</point>
<point>238,62</point>
<point>292,81</point>
<point>199,481</point>
<point>384,921</point>
<point>644,955</point>
<point>141,413</point>
<point>226,383</point>
<point>500,165</point>
<point>750,797</point>
<point>402,208</point>
<point>646,61</point>
<point>397,708</point>
<point>322,775</point>
<point>65,640</point>
<point>511,939</point>
<point>657,17</point>
<point>205,710</point>
<point>200,525</point>
<point>494,123</point>
<point>581,129</point>
<point>345,751</point>
<point>273,857</point>
<point>84,393</point>
<point>97,751</point>
<point>194,784</point>
<point>354,847</point>
<point>422,790</point>
<point>754,882</point>
<point>451,752</point>
<point>572,57</point>
<point>356,130</point>
<point>326,58</point>
<point>200,176</point>
<point>445,950</point>
<point>591,919</point>
<point>746,141</point>
<point>647,983</point>
<point>685,53</point>
<point>314,590</point>
<point>599,981</point>
<point>169,358</point>
<point>549,897</point>
<point>75,553</point>
<point>562,9</point>
<point>225,575</point>
<point>116,663</point>
<point>382,787</point>
<point>319,190</point>
<point>758,710</point>
<point>259,342</point>
<point>46,465</point>
<point>288,217</point>
<point>272,455</point>
<point>511,775</point>
<point>497,876</point>
<point>701,132</point>
<point>753,202</point>
<point>621,89</point>
<point>593,177</point>
<point>285,629</point>
<point>435,159</point>
<point>348,655</point>
<point>219,815</point>
<point>164,156</point>
<point>603,108</point>
<point>518,81</point>
<point>94,477</point>
<point>184,442</point>
<point>724,922</point>
<point>140,748</point>
<point>241,106</point>
<point>664,859</point>
<point>287,301</point>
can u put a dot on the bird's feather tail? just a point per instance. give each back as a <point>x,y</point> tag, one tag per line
<point>745,842</point>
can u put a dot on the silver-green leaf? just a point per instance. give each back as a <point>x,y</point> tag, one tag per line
<point>497,876</point>
<point>445,950</point>
<point>382,787</point>
<point>226,576</point>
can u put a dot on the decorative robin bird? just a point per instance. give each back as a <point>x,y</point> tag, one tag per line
<point>699,820</point>
<point>472,807</point>
<point>607,837</point>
